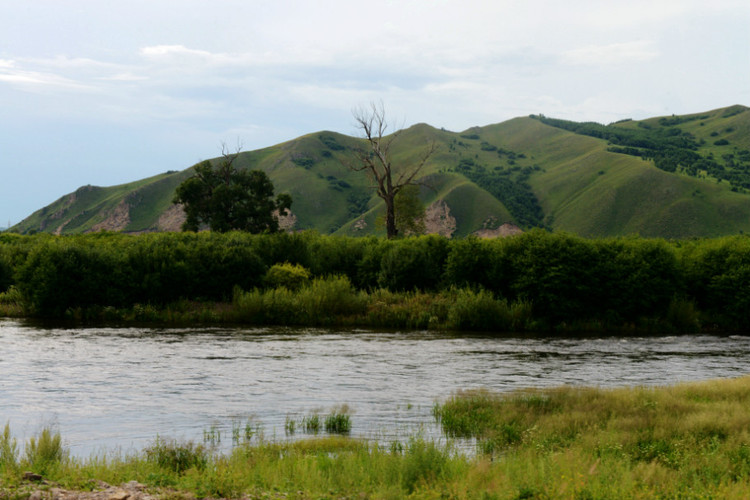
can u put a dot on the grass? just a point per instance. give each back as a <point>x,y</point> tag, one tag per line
<point>687,441</point>
<point>684,441</point>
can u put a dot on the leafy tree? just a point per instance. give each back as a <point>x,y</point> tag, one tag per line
<point>226,198</point>
<point>376,161</point>
<point>410,212</point>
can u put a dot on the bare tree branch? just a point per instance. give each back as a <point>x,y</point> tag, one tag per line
<point>376,161</point>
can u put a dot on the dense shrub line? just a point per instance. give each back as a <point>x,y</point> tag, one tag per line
<point>561,278</point>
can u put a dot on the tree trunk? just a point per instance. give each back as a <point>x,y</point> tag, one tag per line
<point>390,218</point>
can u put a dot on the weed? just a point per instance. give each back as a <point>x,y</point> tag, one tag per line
<point>311,423</point>
<point>290,426</point>
<point>8,449</point>
<point>212,436</point>
<point>338,421</point>
<point>177,457</point>
<point>45,451</point>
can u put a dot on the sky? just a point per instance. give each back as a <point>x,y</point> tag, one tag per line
<point>106,92</point>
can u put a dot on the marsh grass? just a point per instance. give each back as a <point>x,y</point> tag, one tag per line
<point>338,421</point>
<point>685,441</point>
<point>695,436</point>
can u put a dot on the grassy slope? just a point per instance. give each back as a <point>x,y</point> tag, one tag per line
<point>581,187</point>
<point>586,190</point>
<point>89,205</point>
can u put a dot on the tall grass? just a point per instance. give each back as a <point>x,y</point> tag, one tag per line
<point>44,453</point>
<point>8,450</point>
<point>323,301</point>
<point>690,438</point>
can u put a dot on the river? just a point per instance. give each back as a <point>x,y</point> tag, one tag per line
<point>116,389</point>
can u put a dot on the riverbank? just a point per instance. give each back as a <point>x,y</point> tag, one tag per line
<point>333,302</point>
<point>684,441</point>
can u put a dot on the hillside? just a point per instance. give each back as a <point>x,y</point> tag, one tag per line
<point>677,177</point>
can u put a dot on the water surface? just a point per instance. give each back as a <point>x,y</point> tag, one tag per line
<point>117,388</point>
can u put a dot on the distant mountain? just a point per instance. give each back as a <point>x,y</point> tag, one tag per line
<point>673,176</point>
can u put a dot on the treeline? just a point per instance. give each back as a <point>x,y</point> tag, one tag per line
<point>551,280</point>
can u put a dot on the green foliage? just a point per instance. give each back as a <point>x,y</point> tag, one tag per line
<point>410,212</point>
<point>6,272</point>
<point>671,149</point>
<point>45,451</point>
<point>411,263</point>
<point>63,274</point>
<point>318,303</point>
<point>330,142</point>
<point>480,311</point>
<point>513,191</point>
<point>116,270</point>
<point>291,276</point>
<point>225,198</point>
<point>530,281</point>
<point>177,457</point>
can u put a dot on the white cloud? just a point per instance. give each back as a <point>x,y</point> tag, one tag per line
<point>27,79</point>
<point>612,54</point>
<point>125,77</point>
<point>173,50</point>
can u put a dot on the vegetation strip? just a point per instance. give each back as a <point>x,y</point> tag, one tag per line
<point>536,281</point>
<point>686,441</point>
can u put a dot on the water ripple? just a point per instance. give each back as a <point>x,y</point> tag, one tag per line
<point>120,387</point>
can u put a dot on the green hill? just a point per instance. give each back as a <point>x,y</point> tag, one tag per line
<point>675,176</point>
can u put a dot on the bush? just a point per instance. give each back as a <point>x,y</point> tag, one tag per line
<point>326,298</point>
<point>480,311</point>
<point>413,264</point>
<point>291,276</point>
<point>63,274</point>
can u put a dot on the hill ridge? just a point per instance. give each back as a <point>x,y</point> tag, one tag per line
<point>669,176</point>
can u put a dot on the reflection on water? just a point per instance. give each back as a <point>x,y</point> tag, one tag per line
<point>120,387</point>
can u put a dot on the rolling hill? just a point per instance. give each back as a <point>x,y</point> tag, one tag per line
<point>674,177</point>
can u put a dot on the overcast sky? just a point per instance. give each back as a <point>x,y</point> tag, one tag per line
<point>105,92</point>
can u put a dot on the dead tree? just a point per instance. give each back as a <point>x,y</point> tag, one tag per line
<point>376,160</point>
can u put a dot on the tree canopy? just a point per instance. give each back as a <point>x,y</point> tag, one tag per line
<point>225,198</point>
